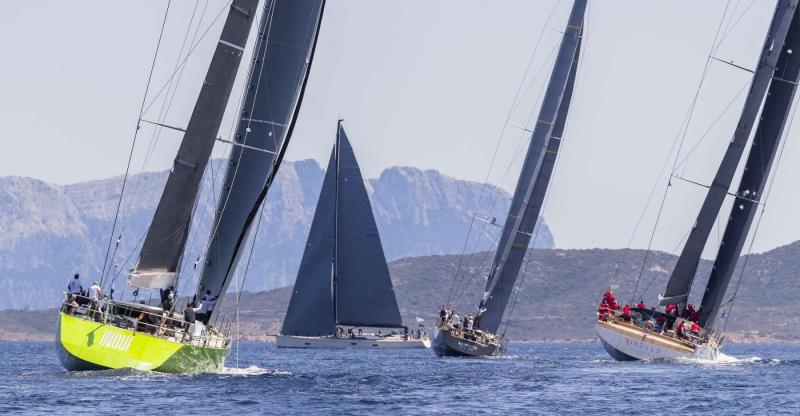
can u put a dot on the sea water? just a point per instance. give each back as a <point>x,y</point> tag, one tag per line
<point>530,379</point>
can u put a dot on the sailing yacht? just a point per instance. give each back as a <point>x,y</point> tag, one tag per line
<point>136,334</point>
<point>679,331</point>
<point>343,295</point>
<point>480,338</point>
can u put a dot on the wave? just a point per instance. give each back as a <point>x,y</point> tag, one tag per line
<point>251,370</point>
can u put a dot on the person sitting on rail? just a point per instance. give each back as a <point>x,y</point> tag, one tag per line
<point>71,306</point>
<point>679,329</point>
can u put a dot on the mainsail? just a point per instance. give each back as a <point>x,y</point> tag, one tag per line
<point>534,177</point>
<point>163,247</point>
<point>343,277</point>
<point>680,282</point>
<point>287,36</point>
<point>765,146</point>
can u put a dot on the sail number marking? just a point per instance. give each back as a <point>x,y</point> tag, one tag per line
<point>116,341</point>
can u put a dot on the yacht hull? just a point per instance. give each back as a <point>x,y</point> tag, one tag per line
<point>84,345</point>
<point>291,341</point>
<point>447,345</point>
<point>624,342</point>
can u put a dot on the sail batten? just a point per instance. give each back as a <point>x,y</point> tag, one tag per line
<point>759,163</point>
<point>279,72</point>
<point>534,177</point>
<point>680,282</point>
<point>165,241</point>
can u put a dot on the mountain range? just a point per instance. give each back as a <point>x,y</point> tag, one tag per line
<point>559,294</point>
<point>52,231</point>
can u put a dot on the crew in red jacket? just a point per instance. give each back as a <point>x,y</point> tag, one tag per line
<point>671,308</point>
<point>641,305</point>
<point>695,328</point>
<point>626,312</point>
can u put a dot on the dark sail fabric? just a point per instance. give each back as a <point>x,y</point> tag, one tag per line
<point>279,71</point>
<point>163,246</point>
<point>534,177</point>
<point>363,289</point>
<point>766,142</point>
<point>310,311</point>
<point>680,282</point>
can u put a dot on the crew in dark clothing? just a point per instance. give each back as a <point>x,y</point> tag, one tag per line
<point>189,315</point>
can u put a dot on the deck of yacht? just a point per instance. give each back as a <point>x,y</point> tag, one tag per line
<point>147,319</point>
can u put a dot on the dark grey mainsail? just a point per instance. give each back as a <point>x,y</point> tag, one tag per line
<point>343,277</point>
<point>364,293</point>
<point>286,40</point>
<point>163,247</point>
<point>534,177</point>
<point>310,311</point>
<point>680,282</point>
<point>765,146</point>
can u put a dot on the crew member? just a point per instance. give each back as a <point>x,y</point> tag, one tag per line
<point>188,315</point>
<point>626,312</point>
<point>74,286</point>
<point>95,294</point>
<point>695,328</point>
<point>641,305</point>
<point>672,309</point>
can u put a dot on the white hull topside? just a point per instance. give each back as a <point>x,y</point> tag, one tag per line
<point>629,346</point>
<point>291,341</point>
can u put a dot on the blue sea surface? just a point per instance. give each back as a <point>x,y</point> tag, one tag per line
<point>531,379</point>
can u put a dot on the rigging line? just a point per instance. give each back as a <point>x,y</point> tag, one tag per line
<point>731,27</point>
<point>685,129</point>
<point>133,143</point>
<point>685,159</point>
<point>185,59</point>
<point>494,156</point>
<point>761,215</point>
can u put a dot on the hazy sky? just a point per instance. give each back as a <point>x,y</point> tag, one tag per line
<point>420,83</point>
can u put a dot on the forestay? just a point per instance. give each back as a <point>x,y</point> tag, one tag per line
<point>534,177</point>
<point>163,246</point>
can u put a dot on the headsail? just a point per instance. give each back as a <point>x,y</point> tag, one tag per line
<point>286,39</point>
<point>364,293</point>
<point>680,282</point>
<point>534,177</point>
<point>765,146</point>
<point>163,247</point>
<point>310,311</point>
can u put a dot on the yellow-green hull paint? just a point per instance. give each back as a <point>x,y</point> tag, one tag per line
<point>88,345</point>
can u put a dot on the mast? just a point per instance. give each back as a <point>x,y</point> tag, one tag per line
<point>534,177</point>
<point>765,146</point>
<point>279,72</point>
<point>335,264</point>
<point>163,247</point>
<point>680,282</point>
